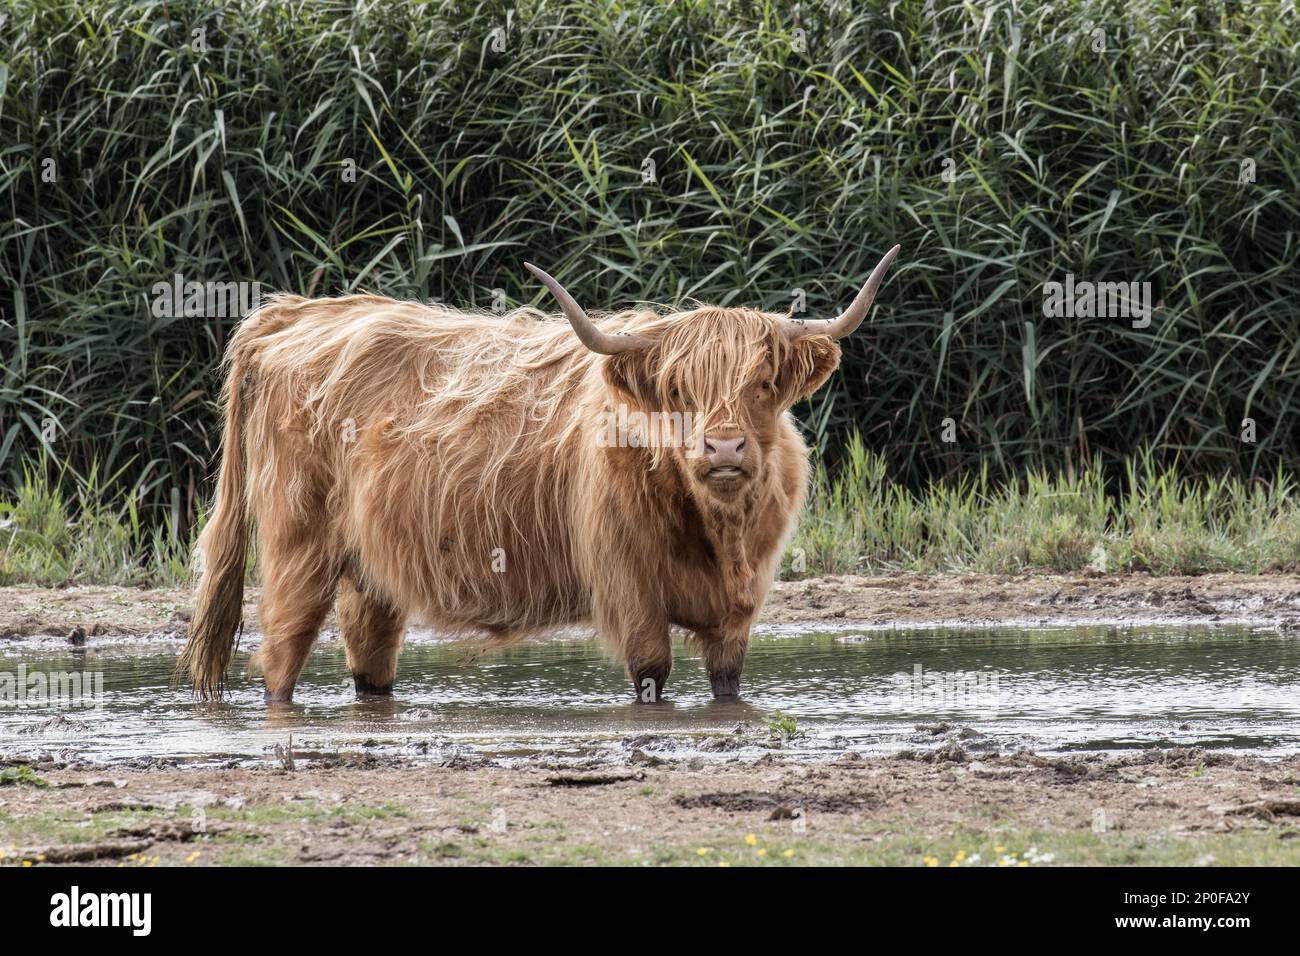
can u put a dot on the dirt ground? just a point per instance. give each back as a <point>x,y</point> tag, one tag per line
<point>941,807</point>
<point>883,600</point>
<point>1170,807</point>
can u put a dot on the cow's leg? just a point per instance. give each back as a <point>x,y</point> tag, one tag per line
<point>640,634</point>
<point>649,662</point>
<point>630,616</point>
<point>724,658</point>
<point>291,615</point>
<point>649,666</point>
<point>372,637</point>
<point>297,591</point>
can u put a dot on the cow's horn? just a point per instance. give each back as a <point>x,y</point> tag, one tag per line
<point>852,317</point>
<point>592,337</point>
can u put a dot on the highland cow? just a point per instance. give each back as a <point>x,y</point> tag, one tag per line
<point>409,462</point>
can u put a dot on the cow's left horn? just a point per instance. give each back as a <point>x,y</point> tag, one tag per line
<point>852,317</point>
<point>592,337</point>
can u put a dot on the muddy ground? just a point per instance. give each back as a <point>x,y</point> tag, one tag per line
<point>883,600</point>
<point>1171,807</point>
<point>945,806</point>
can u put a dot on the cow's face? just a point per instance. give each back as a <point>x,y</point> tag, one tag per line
<point>728,375</point>
<point>714,388</point>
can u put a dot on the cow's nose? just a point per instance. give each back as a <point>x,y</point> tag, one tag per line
<point>725,452</point>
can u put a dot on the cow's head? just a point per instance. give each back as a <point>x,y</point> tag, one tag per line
<point>729,373</point>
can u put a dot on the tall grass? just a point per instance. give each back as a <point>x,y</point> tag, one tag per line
<point>94,537</point>
<point>791,146</point>
<point>858,522</point>
<point>1161,521</point>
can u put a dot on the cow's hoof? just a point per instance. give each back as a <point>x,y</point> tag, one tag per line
<point>649,687</point>
<point>366,689</point>
<point>725,686</point>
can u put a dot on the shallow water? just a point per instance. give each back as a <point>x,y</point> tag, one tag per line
<point>1045,689</point>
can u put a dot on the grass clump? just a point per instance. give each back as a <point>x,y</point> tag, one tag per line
<point>782,727</point>
<point>89,537</point>
<point>21,774</point>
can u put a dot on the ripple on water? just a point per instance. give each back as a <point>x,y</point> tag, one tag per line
<point>563,701</point>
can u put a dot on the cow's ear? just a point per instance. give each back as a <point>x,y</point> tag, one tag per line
<point>632,377</point>
<point>808,363</point>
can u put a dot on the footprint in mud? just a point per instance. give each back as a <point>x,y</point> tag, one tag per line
<point>956,743</point>
<point>780,806</point>
<point>58,724</point>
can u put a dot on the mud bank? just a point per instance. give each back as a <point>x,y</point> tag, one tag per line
<point>883,601</point>
<point>1176,806</point>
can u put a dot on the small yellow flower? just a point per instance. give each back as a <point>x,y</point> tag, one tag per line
<point>930,860</point>
<point>961,855</point>
<point>27,862</point>
<point>999,849</point>
<point>704,851</point>
<point>40,857</point>
<point>1023,863</point>
<point>751,840</point>
<point>724,863</point>
<point>760,852</point>
<point>788,854</point>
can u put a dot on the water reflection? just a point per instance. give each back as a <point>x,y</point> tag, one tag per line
<point>1055,689</point>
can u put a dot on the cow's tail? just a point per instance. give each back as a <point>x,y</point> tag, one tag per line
<point>223,548</point>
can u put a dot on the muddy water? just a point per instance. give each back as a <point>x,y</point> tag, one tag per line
<point>562,701</point>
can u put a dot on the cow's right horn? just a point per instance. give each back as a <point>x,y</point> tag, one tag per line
<point>600,342</point>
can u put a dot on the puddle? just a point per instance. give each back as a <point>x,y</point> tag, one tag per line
<point>563,702</point>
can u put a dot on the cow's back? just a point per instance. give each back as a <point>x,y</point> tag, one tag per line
<point>440,448</point>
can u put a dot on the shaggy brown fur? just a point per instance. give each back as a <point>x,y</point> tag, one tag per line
<point>414,462</point>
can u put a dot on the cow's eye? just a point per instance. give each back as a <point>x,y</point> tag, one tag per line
<point>767,386</point>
